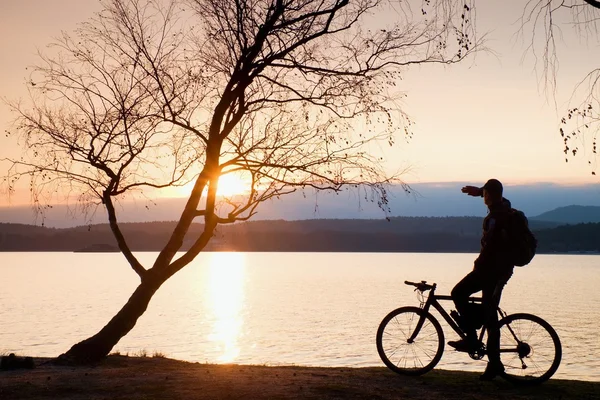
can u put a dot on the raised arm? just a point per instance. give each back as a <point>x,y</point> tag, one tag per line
<point>472,191</point>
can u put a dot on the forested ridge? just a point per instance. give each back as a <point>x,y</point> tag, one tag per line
<point>399,234</point>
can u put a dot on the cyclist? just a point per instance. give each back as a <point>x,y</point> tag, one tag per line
<point>492,270</point>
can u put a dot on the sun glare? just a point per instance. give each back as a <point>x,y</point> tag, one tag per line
<point>226,287</point>
<point>231,185</point>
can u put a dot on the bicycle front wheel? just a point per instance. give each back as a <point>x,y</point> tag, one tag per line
<point>529,349</point>
<point>402,354</point>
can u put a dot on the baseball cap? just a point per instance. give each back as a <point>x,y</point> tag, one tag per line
<point>493,186</point>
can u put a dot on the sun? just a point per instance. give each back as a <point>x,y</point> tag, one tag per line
<point>232,184</point>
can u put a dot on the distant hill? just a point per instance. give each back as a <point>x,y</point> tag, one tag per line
<point>571,215</point>
<point>570,239</point>
<point>401,234</point>
<point>25,229</point>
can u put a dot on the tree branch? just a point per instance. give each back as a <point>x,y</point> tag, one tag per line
<point>121,242</point>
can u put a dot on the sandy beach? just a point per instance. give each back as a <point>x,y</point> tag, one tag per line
<point>122,377</point>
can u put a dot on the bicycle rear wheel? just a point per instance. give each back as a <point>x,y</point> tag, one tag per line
<point>529,349</point>
<point>405,356</point>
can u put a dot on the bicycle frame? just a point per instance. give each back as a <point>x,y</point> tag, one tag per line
<point>433,300</point>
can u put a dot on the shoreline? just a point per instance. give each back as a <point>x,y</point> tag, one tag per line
<point>224,250</point>
<point>124,377</point>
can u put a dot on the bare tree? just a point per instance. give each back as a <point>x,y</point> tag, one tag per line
<point>289,93</point>
<point>545,19</point>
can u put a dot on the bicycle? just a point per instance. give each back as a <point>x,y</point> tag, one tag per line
<point>410,340</point>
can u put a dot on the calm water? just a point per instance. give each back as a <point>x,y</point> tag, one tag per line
<point>319,309</point>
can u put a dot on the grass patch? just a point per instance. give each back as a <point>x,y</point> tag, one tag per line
<point>142,353</point>
<point>158,354</point>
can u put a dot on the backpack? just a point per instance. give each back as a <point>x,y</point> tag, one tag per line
<point>523,243</point>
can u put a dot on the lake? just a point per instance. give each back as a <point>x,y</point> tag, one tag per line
<point>317,309</point>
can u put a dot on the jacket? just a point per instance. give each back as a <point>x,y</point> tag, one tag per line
<point>493,258</point>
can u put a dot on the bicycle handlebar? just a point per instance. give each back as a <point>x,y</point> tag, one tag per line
<point>422,286</point>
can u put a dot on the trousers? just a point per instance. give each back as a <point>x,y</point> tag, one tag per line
<point>491,286</point>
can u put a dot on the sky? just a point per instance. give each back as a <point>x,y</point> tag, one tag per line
<point>427,200</point>
<point>487,117</point>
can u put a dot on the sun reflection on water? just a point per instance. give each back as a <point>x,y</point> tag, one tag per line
<point>226,287</point>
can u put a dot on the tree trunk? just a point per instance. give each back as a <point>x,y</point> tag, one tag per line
<point>97,347</point>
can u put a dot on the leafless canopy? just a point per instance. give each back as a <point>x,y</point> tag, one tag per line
<point>288,93</point>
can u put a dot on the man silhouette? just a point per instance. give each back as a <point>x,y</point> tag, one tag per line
<point>491,271</point>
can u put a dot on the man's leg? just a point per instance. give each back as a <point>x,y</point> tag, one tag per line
<point>492,293</point>
<point>470,284</point>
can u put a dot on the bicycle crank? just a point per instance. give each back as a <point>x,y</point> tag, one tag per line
<point>479,353</point>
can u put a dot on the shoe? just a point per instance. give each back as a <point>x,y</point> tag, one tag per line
<point>492,370</point>
<point>465,345</point>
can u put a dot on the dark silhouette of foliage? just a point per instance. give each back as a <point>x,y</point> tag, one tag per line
<point>402,234</point>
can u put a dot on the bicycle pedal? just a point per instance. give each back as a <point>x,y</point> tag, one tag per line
<point>479,353</point>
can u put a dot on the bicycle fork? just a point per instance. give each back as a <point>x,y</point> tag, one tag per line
<point>420,323</point>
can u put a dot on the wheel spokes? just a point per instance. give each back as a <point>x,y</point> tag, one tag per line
<point>528,349</point>
<point>418,354</point>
